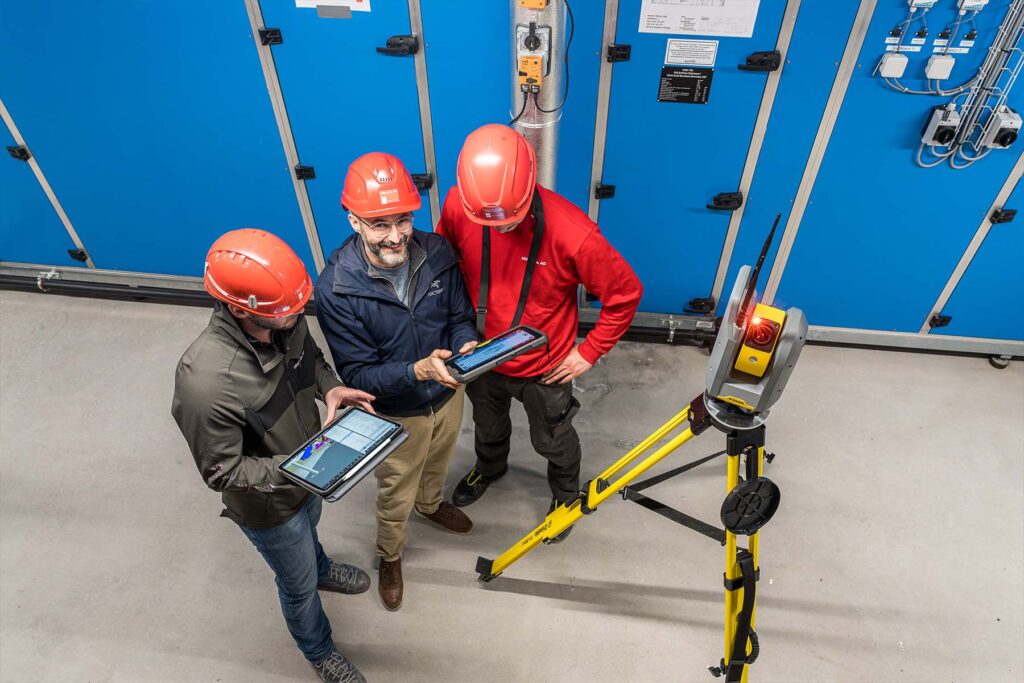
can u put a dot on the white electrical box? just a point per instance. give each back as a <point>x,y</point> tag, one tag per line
<point>973,5</point>
<point>922,4</point>
<point>1002,129</point>
<point>941,127</point>
<point>939,67</point>
<point>893,65</point>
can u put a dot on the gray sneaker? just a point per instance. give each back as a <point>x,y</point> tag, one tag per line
<point>344,578</point>
<point>334,668</point>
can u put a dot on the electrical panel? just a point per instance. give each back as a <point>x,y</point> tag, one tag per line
<point>1002,130</point>
<point>939,67</point>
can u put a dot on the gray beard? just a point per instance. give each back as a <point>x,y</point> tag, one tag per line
<point>391,258</point>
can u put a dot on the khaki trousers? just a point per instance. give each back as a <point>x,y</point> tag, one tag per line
<point>414,474</point>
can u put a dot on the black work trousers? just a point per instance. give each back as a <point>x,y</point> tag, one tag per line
<point>549,408</point>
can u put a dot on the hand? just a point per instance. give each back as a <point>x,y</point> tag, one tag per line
<point>343,396</point>
<point>467,347</point>
<point>569,369</point>
<point>432,367</point>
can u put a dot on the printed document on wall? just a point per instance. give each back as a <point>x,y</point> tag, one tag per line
<point>734,18</point>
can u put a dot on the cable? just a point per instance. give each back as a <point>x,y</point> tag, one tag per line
<point>931,164</point>
<point>568,44</point>
<point>526,96</point>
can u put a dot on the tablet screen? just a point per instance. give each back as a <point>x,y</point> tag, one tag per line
<point>326,459</point>
<point>498,346</point>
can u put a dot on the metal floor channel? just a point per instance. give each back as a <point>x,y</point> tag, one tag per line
<point>896,555</point>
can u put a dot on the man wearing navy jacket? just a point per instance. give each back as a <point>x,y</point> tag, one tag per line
<point>393,307</point>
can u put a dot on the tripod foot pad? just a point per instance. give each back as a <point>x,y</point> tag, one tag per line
<point>483,568</point>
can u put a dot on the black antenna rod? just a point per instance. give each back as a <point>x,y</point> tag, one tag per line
<point>752,284</point>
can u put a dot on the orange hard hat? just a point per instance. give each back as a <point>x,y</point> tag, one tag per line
<point>377,184</point>
<point>257,272</point>
<point>497,173</point>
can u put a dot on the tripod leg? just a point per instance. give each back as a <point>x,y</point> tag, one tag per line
<point>598,491</point>
<point>741,566</point>
<point>753,545</point>
<point>732,569</point>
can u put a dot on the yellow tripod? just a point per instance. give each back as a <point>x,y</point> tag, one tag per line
<point>748,506</point>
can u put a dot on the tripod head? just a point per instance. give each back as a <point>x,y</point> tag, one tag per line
<point>755,351</point>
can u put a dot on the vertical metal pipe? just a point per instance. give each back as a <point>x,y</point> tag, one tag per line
<point>540,127</point>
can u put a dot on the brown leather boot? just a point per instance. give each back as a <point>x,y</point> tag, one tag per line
<point>450,518</point>
<point>389,584</point>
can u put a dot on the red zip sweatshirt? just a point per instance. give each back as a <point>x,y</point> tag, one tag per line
<point>572,252</point>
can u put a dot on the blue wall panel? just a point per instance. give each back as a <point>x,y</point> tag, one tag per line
<point>344,99</point>
<point>667,160</point>
<point>987,300</point>
<point>812,61</point>
<point>30,231</point>
<point>470,65</point>
<point>880,235</point>
<point>154,125</point>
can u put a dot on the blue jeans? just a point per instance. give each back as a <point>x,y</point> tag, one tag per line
<point>294,553</point>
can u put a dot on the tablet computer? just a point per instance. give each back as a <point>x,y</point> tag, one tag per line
<point>344,452</point>
<point>493,352</point>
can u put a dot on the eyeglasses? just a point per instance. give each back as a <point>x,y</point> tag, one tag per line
<point>403,224</point>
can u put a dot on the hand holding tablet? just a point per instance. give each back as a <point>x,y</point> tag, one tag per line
<point>344,452</point>
<point>493,352</point>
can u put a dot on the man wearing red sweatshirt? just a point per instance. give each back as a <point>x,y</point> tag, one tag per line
<point>524,250</point>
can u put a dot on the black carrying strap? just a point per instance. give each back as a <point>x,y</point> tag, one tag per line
<point>738,657</point>
<point>537,209</point>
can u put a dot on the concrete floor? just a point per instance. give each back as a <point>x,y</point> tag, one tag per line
<point>896,554</point>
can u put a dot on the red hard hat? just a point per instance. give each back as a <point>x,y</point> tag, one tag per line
<point>497,173</point>
<point>377,184</point>
<point>257,272</point>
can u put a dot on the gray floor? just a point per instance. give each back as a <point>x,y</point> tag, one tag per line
<point>896,555</point>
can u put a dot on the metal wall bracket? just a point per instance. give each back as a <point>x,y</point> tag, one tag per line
<point>423,181</point>
<point>618,52</point>
<point>700,305</point>
<point>305,172</point>
<point>400,46</point>
<point>42,278</point>
<point>939,320</point>
<point>763,61</point>
<point>726,201</point>
<point>271,36</point>
<point>998,216</point>
<point>602,191</point>
<point>19,152</point>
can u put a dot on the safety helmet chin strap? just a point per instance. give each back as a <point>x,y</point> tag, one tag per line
<point>537,208</point>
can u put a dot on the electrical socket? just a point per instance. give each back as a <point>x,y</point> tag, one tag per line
<point>1002,129</point>
<point>941,127</point>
